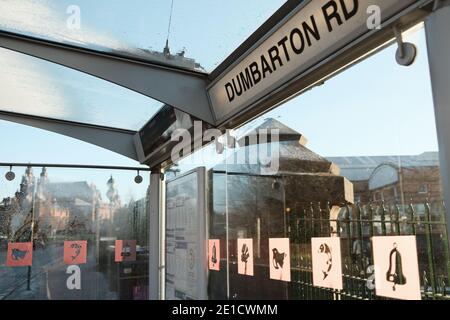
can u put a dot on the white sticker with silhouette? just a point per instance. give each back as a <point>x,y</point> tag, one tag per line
<point>214,254</point>
<point>396,267</point>
<point>326,262</point>
<point>245,256</point>
<point>280,259</point>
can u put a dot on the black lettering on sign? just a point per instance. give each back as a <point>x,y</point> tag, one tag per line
<point>295,41</point>
<point>282,43</point>
<point>246,79</point>
<point>296,33</point>
<point>236,90</point>
<point>311,30</point>
<point>256,74</point>
<point>349,14</point>
<point>230,92</point>
<point>265,66</point>
<point>274,55</point>
<point>329,15</point>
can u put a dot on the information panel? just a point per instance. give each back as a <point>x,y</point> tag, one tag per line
<point>186,252</point>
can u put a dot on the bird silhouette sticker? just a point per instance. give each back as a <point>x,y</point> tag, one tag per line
<point>326,262</point>
<point>19,254</point>
<point>75,252</point>
<point>396,267</point>
<point>245,256</point>
<point>214,254</point>
<point>125,250</point>
<point>279,257</point>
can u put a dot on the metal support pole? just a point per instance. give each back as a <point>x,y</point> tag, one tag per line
<point>437,27</point>
<point>155,241</point>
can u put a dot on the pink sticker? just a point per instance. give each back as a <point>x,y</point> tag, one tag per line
<point>396,267</point>
<point>280,259</point>
<point>326,262</point>
<point>19,254</point>
<point>125,250</point>
<point>245,256</point>
<point>214,254</point>
<point>75,252</point>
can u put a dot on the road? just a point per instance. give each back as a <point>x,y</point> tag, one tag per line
<point>48,278</point>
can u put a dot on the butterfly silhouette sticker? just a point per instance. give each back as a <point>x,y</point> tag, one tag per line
<point>75,252</point>
<point>280,259</point>
<point>19,254</point>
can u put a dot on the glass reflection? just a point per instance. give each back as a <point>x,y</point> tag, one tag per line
<point>169,32</point>
<point>37,87</point>
<point>73,227</point>
<point>365,173</point>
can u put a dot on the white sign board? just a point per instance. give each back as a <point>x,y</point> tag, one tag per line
<point>396,267</point>
<point>186,269</point>
<point>326,262</point>
<point>245,256</point>
<point>280,259</point>
<point>315,31</point>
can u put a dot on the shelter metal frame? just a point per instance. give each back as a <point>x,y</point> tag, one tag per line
<point>186,91</point>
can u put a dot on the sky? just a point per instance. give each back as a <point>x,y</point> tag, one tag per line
<point>375,108</point>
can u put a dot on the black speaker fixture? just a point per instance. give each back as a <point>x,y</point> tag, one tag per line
<point>138,179</point>
<point>10,175</point>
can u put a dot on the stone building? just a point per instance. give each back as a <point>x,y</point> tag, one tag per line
<point>56,207</point>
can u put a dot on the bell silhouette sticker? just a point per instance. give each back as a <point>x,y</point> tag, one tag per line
<point>396,267</point>
<point>326,262</point>
<point>245,256</point>
<point>395,271</point>
<point>214,254</point>
<point>280,259</point>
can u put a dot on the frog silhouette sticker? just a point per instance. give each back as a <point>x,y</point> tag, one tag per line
<point>396,267</point>
<point>245,256</point>
<point>19,254</point>
<point>214,254</point>
<point>75,252</point>
<point>326,262</point>
<point>279,259</point>
<point>125,250</point>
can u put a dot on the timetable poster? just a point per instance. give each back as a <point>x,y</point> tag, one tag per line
<point>185,237</point>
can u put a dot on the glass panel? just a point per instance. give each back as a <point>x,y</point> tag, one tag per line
<point>37,87</point>
<point>141,29</point>
<point>60,232</point>
<point>370,170</point>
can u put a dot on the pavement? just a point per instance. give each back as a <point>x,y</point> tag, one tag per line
<point>48,278</point>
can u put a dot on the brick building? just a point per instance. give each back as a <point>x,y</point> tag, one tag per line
<point>393,179</point>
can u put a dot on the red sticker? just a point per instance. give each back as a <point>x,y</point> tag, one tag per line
<point>75,252</point>
<point>19,254</point>
<point>125,250</point>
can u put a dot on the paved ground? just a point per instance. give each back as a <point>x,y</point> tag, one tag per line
<point>48,278</point>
